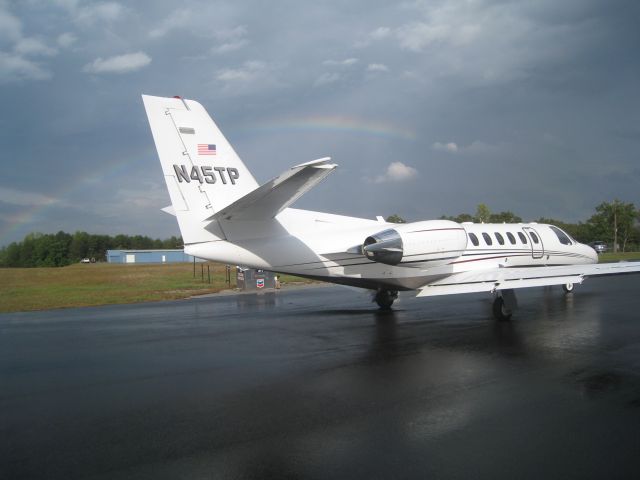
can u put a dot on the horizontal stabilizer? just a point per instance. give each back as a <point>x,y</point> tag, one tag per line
<point>274,196</point>
<point>170,210</point>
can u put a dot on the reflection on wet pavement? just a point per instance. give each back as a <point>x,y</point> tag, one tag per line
<point>318,383</point>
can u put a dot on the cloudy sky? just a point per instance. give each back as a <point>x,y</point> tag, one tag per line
<point>429,107</point>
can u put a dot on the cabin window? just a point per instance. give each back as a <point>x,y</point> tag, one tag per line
<point>474,239</point>
<point>522,238</point>
<point>487,238</point>
<point>534,237</point>
<point>500,238</point>
<point>511,238</point>
<point>563,237</point>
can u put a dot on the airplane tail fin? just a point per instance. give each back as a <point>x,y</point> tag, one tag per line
<point>202,171</point>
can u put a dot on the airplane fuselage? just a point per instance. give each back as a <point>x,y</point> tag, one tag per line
<point>330,247</point>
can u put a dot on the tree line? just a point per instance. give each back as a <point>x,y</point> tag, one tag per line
<point>616,223</point>
<point>60,249</point>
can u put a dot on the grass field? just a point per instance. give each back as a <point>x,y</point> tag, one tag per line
<point>615,257</point>
<point>24,289</point>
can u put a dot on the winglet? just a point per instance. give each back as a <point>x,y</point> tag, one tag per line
<point>313,163</point>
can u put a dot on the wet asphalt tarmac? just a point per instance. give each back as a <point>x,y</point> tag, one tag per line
<point>317,383</point>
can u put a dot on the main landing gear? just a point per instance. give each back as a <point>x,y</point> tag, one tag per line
<point>385,298</point>
<point>506,303</point>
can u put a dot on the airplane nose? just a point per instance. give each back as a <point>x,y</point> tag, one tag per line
<point>591,253</point>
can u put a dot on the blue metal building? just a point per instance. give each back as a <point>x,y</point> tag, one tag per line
<point>149,256</point>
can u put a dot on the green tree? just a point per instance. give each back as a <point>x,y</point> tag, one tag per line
<point>504,217</point>
<point>614,222</point>
<point>483,214</point>
<point>55,250</point>
<point>31,250</point>
<point>99,244</point>
<point>79,247</point>
<point>122,242</point>
<point>395,218</point>
<point>460,218</point>
<point>11,255</point>
<point>464,217</point>
<point>173,242</point>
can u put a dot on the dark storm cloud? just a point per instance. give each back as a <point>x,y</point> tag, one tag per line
<point>527,106</point>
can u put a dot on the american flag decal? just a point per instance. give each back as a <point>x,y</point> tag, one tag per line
<point>206,149</point>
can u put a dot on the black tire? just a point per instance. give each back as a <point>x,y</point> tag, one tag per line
<point>385,298</point>
<point>499,311</point>
<point>568,287</point>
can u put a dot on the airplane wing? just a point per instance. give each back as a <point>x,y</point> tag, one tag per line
<point>510,278</point>
<point>274,196</point>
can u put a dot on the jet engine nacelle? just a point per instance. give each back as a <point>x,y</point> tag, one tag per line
<point>432,242</point>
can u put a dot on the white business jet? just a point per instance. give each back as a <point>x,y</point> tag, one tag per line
<point>225,216</point>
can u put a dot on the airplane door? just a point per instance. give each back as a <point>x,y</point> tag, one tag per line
<point>537,247</point>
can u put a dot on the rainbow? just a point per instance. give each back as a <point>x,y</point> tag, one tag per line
<point>337,124</point>
<point>30,215</point>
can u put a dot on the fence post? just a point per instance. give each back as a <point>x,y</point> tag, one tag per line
<point>208,274</point>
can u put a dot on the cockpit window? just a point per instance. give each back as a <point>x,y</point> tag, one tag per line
<point>474,239</point>
<point>511,238</point>
<point>500,238</point>
<point>487,238</point>
<point>522,238</point>
<point>563,237</point>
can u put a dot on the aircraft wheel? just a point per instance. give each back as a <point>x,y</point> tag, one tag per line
<point>568,287</point>
<point>385,298</point>
<point>500,312</point>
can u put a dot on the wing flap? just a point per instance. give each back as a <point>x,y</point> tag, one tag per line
<point>274,196</point>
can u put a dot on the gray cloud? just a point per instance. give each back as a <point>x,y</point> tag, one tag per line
<point>534,96</point>
<point>18,197</point>
<point>377,67</point>
<point>395,172</point>
<point>87,13</point>
<point>230,40</point>
<point>327,78</point>
<point>129,62</point>
<point>34,47</point>
<point>15,68</point>
<point>451,147</point>
<point>66,39</point>
<point>347,62</point>
<point>177,20</point>
<point>10,25</point>
<point>475,147</point>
